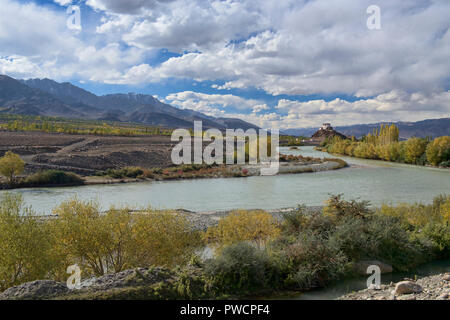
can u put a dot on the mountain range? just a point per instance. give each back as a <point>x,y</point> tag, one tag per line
<point>46,97</point>
<point>424,128</point>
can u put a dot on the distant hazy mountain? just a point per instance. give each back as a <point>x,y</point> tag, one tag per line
<point>424,128</point>
<point>50,98</point>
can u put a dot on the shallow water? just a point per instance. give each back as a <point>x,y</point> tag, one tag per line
<point>343,287</point>
<point>377,181</point>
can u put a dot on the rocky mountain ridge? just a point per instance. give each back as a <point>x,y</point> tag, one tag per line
<point>45,97</point>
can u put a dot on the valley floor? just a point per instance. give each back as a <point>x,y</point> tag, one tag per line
<point>86,154</point>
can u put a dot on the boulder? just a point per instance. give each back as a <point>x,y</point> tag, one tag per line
<point>443,296</point>
<point>361,266</point>
<point>407,287</point>
<point>446,277</point>
<point>40,289</point>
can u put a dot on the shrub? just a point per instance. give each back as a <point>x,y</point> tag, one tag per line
<point>52,177</point>
<point>439,236</point>
<point>165,239</point>
<point>295,220</point>
<point>127,172</point>
<point>352,238</point>
<point>239,268</point>
<point>445,164</point>
<point>444,209</point>
<point>11,165</point>
<point>338,208</point>
<point>82,236</point>
<point>254,226</point>
<point>313,261</point>
<point>25,245</point>
<point>389,241</point>
<point>418,215</point>
<point>117,240</point>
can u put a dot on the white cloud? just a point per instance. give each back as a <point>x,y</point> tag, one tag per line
<point>195,25</point>
<point>126,7</point>
<point>63,2</point>
<point>291,47</point>
<point>308,47</point>
<point>35,42</point>
<point>392,106</point>
<point>212,104</point>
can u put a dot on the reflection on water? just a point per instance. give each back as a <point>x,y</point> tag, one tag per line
<point>366,179</point>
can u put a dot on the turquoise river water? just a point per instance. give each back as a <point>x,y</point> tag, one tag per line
<point>376,181</point>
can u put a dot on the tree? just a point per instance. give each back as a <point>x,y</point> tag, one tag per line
<point>438,150</point>
<point>414,149</point>
<point>25,245</point>
<point>11,165</point>
<point>117,240</point>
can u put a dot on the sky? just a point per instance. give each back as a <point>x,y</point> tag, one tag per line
<point>275,63</point>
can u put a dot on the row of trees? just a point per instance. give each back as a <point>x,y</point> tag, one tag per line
<point>34,248</point>
<point>384,144</point>
<point>58,125</point>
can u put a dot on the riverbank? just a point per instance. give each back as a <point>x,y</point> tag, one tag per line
<point>185,172</point>
<point>435,287</point>
<point>155,254</point>
<point>377,159</point>
<point>160,283</point>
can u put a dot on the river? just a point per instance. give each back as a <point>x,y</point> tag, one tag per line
<point>343,287</point>
<point>372,180</point>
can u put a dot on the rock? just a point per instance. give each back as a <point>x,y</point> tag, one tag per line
<point>408,279</point>
<point>361,266</point>
<point>40,289</point>
<point>427,288</point>
<point>407,297</point>
<point>127,278</point>
<point>443,296</point>
<point>407,287</point>
<point>446,277</point>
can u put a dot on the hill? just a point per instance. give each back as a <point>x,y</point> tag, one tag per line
<point>45,97</point>
<point>424,128</point>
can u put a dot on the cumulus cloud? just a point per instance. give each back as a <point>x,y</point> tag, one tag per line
<point>126,7</point>
<point>63,2</point>
<point>319,47</point>
<point>290,47</point>
<point>392,106</point>
<point>212,104</point>
<point>35,42</point>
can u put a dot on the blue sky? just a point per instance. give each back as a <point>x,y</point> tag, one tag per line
<point>287,64</point>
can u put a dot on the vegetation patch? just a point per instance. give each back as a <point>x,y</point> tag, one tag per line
<point>384,144</point>
<point>52,177</point>
<point>254,253</point>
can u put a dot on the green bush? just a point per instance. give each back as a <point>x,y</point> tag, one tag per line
<point>239,268</point>
<point>313,261</point>
<point>445,164</point>
<point>128,172</point>
<point>338,208</point>
<point>439,236</point>
<point>392,243</point>
<point>52,177</point>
